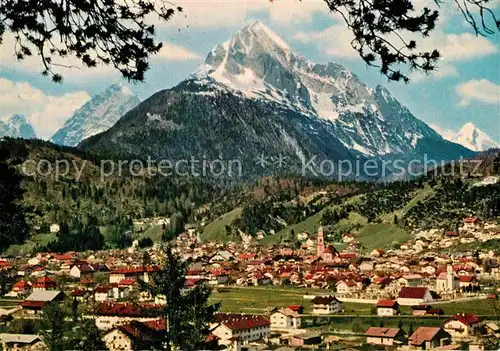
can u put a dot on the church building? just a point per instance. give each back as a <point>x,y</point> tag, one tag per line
<point>326,253</point>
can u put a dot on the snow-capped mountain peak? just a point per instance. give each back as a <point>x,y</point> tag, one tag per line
<point>17,126</point>
<point>98,114</point>
<point>474,138</point>
<point>258,64</point>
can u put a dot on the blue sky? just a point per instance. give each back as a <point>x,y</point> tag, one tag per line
<point>465,88</point>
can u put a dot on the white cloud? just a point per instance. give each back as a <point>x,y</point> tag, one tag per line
<point>481,90</point>
<point>73,72</point>
<point>335,39</point>
<point>47,113</point>
<point>442,71</point>
<point>171,52</point>
<point>216,13</point>
<point>458,47</point>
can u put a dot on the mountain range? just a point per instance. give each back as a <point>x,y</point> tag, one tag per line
<point>255,97</point>
<point>17,126</point>
<point>97,115</point>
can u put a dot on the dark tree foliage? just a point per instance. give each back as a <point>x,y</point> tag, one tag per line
<point>187,314</point>
<point>112,32</point>
<point>108,32</point>
<point>379,28</point>
<point>13,226</point>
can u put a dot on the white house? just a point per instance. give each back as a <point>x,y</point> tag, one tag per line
<point>285,318</point>
<point>78,271</point>
<point>387,308</point>
<point>463,325</point>
<point>346,287</point>
<point>55,228</point>
<point>326,305</point>
<point>414,295</point>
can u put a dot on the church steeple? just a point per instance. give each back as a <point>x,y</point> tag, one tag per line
<point>321,243</point>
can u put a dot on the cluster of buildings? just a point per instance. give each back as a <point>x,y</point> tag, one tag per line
<point>387,279</point>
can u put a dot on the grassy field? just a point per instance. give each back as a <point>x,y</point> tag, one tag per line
<point>418,195</point>
<point>216,230</point>
<point>260,300</point>
<point>154,232</point>
<point>263,299</point>
<point>381,235</point>
<point>29,245</point>
<point>346,225</point>
<point>479,307</point>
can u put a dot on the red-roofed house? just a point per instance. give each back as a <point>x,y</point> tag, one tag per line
<point>414,295</point>
<point>468,281</point>
<point>241,327</point>
<point>21,287</point>
<point>463,325</point>
<point>134,335</point>
<point>387,308</point>
<point>384,336</point>
<point>44,283</point>
<point>426,338</point>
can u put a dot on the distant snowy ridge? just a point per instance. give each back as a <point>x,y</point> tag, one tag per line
<point>97,115</point>
<point>474,138</point>
<point>17,126</point>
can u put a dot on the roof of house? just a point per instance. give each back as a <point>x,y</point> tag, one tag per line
<point>45,280</point>
<point>413,292</point>
<point>84,268</point>
<point>467,278</point>
<point>129,281</point>
<point>129,310</point>
<point>288,312</point>
<point>382,332</point>
<point>33,304</point>
<point>102,289</point>
<point>78,292</point>
<point>465,318</point>
<point>296,308</point>
<point>241,321</point>
<point>21,284</point>
<point>387,303</point>
<point>307,335</point>
<point>47,295</point>
<point>423,334</point>
<point>135,270</point>
<point>324,300</point>
<point>19,338</point>
<point>142,330</point>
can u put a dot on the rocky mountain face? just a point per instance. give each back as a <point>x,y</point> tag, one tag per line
<point>474,138</point>
<point>97,115</point>
<point>254,97</point>
<point>17,126</point>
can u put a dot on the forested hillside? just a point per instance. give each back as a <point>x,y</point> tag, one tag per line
<point>96,212</point>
